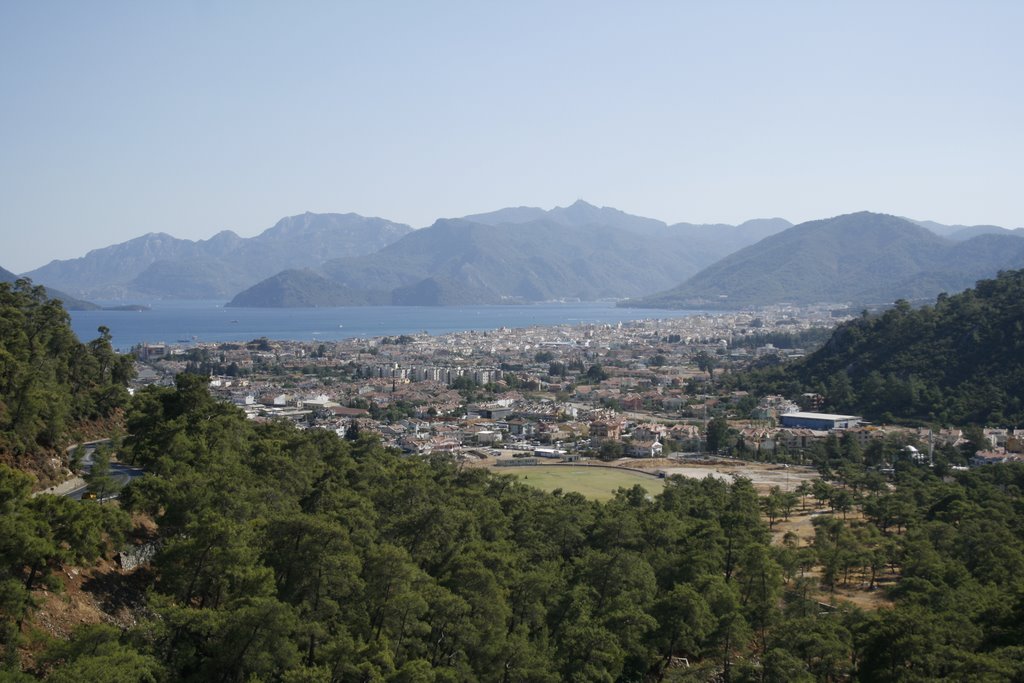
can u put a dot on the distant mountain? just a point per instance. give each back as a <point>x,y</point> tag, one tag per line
<point>578,214</point>
<point>714,240</point>
<point>526,254</point>
<point>291,288</point>
<point>461,262</point>
<point>965,232</point>
<point>862,258</point>
<point>70,302</point>
<point>161,266</point>
<point>976,230</point>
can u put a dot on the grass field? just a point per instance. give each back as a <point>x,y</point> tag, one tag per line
<point>596,483</point>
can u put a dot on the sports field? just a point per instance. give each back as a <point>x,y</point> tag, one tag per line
<point>596,483</point>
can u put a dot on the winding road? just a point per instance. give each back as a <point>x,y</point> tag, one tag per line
<point>121,473</point>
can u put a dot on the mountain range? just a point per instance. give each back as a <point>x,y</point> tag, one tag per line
<point>521,254</point>
<point>528,254</point>
<point>964,232</point>
<point>861,258</point>
<point>157,265</point>
<point>513,254</point>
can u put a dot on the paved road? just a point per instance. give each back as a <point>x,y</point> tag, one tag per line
<point>122,474</point>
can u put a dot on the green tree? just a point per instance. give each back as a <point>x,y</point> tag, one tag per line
<point>596,374</point>
<point>96,654</point>
<point>99,479</point>
<point>719,435</point>
<point>38,536</point>
<point>684,624</point>
<point>706,363</point>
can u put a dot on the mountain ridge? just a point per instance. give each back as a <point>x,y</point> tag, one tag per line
<point>160,265</point>
<point>457,261</point>
<point>862,257</point>
<point>524,254</point>
<point>513,254</point>
<point>963,232</point>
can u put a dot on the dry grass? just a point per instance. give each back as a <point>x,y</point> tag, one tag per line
<point>596,483</point>
<point>858,592</point>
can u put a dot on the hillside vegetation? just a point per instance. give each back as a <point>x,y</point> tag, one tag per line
<point>49,381</point>
<point>295,555</point>
<point>958,361</point>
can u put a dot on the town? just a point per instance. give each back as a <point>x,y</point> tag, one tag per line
<point>645,394</point>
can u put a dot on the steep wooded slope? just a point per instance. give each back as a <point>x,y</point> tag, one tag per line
<point>958,361</point>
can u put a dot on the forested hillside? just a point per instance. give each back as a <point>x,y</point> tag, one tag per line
<point>49,380</point>
<point>294,555</point>
<point>959,361</point>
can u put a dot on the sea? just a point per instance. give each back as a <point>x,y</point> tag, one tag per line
<point>185,322</point>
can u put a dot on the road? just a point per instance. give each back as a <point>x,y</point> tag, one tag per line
<point>122,474</point>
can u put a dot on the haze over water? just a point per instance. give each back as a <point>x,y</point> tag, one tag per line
<point>210,321</point>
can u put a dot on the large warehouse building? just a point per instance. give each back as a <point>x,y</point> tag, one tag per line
<point>819,421</point>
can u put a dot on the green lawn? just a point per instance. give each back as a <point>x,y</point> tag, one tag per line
<point>596,483</point>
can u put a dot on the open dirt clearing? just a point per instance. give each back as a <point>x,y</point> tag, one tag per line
<point>763,475</point>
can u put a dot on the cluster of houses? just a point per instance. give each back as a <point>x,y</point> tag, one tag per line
<point>648,399</point>
<point>443,423</point>
<point>448,425</point>
<point>1005,446</point>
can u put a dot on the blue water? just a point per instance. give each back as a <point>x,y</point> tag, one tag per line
<point>208,321</point>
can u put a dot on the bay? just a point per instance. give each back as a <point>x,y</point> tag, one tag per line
<point>209,321</point>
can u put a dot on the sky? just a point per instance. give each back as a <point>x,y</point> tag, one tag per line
<point>122,118</point>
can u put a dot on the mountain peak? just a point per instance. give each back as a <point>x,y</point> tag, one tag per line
<point>581,204</point>
<point>583,208</point>
<point>226,235</point>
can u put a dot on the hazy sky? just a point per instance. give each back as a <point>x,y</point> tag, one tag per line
<point>121,118</point>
